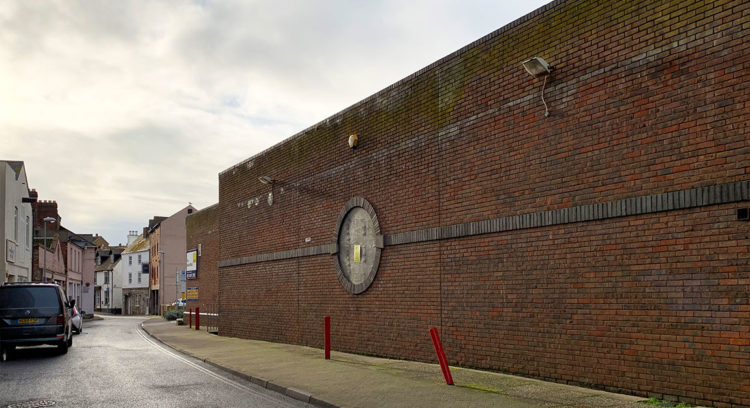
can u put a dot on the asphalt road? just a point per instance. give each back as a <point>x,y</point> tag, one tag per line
<point>114,363</point>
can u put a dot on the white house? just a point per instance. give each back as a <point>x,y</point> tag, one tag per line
<point>116,302</point>
<point>135,267</point>
<point>108,280</point>
<point>15,223</point>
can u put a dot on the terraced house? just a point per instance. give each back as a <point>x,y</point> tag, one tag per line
<point>16,240</point>
<point>135,261</point>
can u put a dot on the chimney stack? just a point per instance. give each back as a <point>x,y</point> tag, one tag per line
<point>132,236</point>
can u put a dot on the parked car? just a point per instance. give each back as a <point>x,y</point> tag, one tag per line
<point>76,320</point>
<point>32,314</point>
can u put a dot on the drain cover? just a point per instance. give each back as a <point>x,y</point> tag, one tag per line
<point>32,404</point>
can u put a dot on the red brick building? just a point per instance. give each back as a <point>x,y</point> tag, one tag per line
<point>602,245</point>
<point>202,232</point>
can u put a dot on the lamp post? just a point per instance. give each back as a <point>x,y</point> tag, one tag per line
<point>44,267</point>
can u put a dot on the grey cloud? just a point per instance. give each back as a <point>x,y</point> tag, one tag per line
<point>203,84</point>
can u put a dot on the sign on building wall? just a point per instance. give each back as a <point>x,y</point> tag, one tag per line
<point>192,294</point>
<point>181,283</point>
<point>10,251</point>
<point>192,264</point>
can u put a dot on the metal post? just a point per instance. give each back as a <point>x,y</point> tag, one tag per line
<point>190,318</point>
<point>441,356</point>
<point>44,267</point>
<point>327,331</point>
<point>197,318</point>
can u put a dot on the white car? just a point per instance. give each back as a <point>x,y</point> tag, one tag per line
<point>76,320</point>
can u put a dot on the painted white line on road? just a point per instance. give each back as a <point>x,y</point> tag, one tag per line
<point>203,369</point>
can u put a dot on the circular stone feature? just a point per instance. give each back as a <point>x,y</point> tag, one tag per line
<point>359,245</point>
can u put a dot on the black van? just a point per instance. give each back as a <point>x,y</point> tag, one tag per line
<point>32,314</point>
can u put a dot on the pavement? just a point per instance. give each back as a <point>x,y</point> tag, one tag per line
<point>350,380</point>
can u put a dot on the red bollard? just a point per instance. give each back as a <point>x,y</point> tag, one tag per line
<point>197,318</point>
<point>327,330</point>
<point>441,356</point>
<point>190,318</point>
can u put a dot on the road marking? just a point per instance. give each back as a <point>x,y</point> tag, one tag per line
<point>204,370</point>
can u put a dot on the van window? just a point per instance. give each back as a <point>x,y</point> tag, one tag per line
<point>29,297</point>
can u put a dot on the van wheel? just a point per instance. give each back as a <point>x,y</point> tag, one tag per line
<point>62,347</point>
<point>70,340</point>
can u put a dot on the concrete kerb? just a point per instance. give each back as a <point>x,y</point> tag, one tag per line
<point>289,392</point>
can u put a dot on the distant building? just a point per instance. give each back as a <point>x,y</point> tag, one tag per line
<point>90,244</point>
<point>202,236</point>
<point>50,261</point>
<point>15,223</point>
<point>154,265</point>
<point>88,273</point>
<point>107,289</point>
<point>44,232</point>
<point>135,267</point>
<point>78,252</point>
<point>167,258</point>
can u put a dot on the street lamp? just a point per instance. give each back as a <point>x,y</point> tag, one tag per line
<point>44,267</point>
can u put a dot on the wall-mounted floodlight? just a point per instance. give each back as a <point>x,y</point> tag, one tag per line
<point>538,67</point>
<point>269,181</point>
<point>265,180</point>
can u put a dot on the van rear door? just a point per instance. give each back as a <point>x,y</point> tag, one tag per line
<point>30,312</point>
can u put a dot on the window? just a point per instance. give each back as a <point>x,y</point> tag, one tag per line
<point>106,278</point>
<point>139,259</point>
<point>106,296</point>
<point>137,300</point>
<point>139,278</point>
<point>130,277</point>
<point>130,259</point>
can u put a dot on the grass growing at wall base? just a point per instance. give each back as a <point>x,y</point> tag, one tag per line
<point>653,402</point>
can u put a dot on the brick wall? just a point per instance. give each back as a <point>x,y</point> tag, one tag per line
<point>202,228</point>
<point>597,246</point>
<point>43,209</point>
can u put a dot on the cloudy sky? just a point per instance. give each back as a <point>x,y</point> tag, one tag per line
<point>123,110</point>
